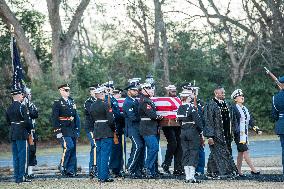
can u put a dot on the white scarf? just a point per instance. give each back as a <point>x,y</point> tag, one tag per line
<point>244,123</point>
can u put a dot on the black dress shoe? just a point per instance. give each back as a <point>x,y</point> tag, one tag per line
<point>178,173</point>
<point>166,169</point>
<point>70,174</point>
<point>255,173</point>
<point>31,176</point>
<point>242,175</point>
<point>107,180</point>
<point>192,181</point>
<point>26,180</point>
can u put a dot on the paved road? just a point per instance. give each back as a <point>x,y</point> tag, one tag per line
<point>258,149</point>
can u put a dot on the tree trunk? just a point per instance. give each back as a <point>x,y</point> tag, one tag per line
<point>157,60</point>
<point>165,54</point>
<point>62,49</point>
<point>34,70</point>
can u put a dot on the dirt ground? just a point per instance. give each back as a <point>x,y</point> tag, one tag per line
<point>141,183</point>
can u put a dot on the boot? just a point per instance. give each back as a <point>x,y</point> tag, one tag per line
<point>166,169</point>
<point>30,172</point>
<point>191,175</point>
<point>187,173</point>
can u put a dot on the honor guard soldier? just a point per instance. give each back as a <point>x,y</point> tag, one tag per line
<point>104,129</point>
<point>171,130</point>
<point>278,115</point>
<point>89,128</point>
<point>132,120</point>
<point>149,128</point>
<point>65,124</point>
<point>116,157</point>
<point>33,114</point>
<point>191,130</point>
<point>20,125</point>
<point>199,107</point>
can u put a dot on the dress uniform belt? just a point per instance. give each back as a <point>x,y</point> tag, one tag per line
<point>145,119</point>
<point>19,122</point>
<point>281,115</point>
<point>66,118</point>
<point>190,122</point>
<point>101,121</point>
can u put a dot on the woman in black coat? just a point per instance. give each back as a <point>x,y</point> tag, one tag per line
<point>242,120</point>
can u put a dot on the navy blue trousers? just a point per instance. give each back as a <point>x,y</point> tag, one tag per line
<point>103,153</point>
<point>201,161</point>
<point>136,160</point>
<point>152,145</point>
<point>20,159</point>
<point>282,146</point>
<point>69,160</point>
<point>116,157</point>
<point>92,151</point>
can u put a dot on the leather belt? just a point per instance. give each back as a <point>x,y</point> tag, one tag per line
<point>66,118</point>
<point>145,119</point>
<point>17,122</point>
<point>101,121</point>
<point>190,122</point>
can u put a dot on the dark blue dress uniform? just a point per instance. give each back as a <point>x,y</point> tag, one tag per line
<point>33,113</point>
<point>104,128</point>
<point>278,116</point>
<point>201,163</point>
<point>18,119</point>
<point>116,157</point>
<point>64,120</point>
<point>132,119</point>
<point>89,128</point>
<point>149,130</point>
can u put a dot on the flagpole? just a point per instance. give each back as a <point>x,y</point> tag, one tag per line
<point>12,29</point>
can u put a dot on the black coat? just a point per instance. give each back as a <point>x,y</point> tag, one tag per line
<point>190,131</point>
<point>99,111</point>
<point>147,109</point>
<point>61,108</point>
<point>19,121</point>
<point>89,126</point>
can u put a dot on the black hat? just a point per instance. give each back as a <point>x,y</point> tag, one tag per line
<point>187,86</point>
<point>93,87</point>
<point>117,90</point>
<point>64,86</point>
<point>16,91</point>
<point>109,84</point>
<point>131,87</point>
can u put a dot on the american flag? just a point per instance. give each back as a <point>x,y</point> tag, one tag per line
<point>18,76</point>
<point>165,106</point>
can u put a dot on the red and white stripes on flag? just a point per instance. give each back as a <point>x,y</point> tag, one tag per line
<point>165,106</point>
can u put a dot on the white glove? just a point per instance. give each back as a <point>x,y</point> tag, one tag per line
<point>59,135</point>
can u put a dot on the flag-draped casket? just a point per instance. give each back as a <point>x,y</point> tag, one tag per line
<point>166,107</point>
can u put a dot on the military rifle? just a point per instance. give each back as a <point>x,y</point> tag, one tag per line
<point>274,78</point>
<point>115,138</point>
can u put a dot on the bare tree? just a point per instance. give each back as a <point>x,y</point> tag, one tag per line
<point>161,32</point>
<point>138,12</point>
<point>232,31</point>
<point>9,18</point>
<point>62,48</point>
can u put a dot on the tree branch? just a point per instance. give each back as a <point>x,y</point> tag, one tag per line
<point>73,27</point>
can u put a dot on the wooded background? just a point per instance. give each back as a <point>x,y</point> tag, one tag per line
<point>230,49</point>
